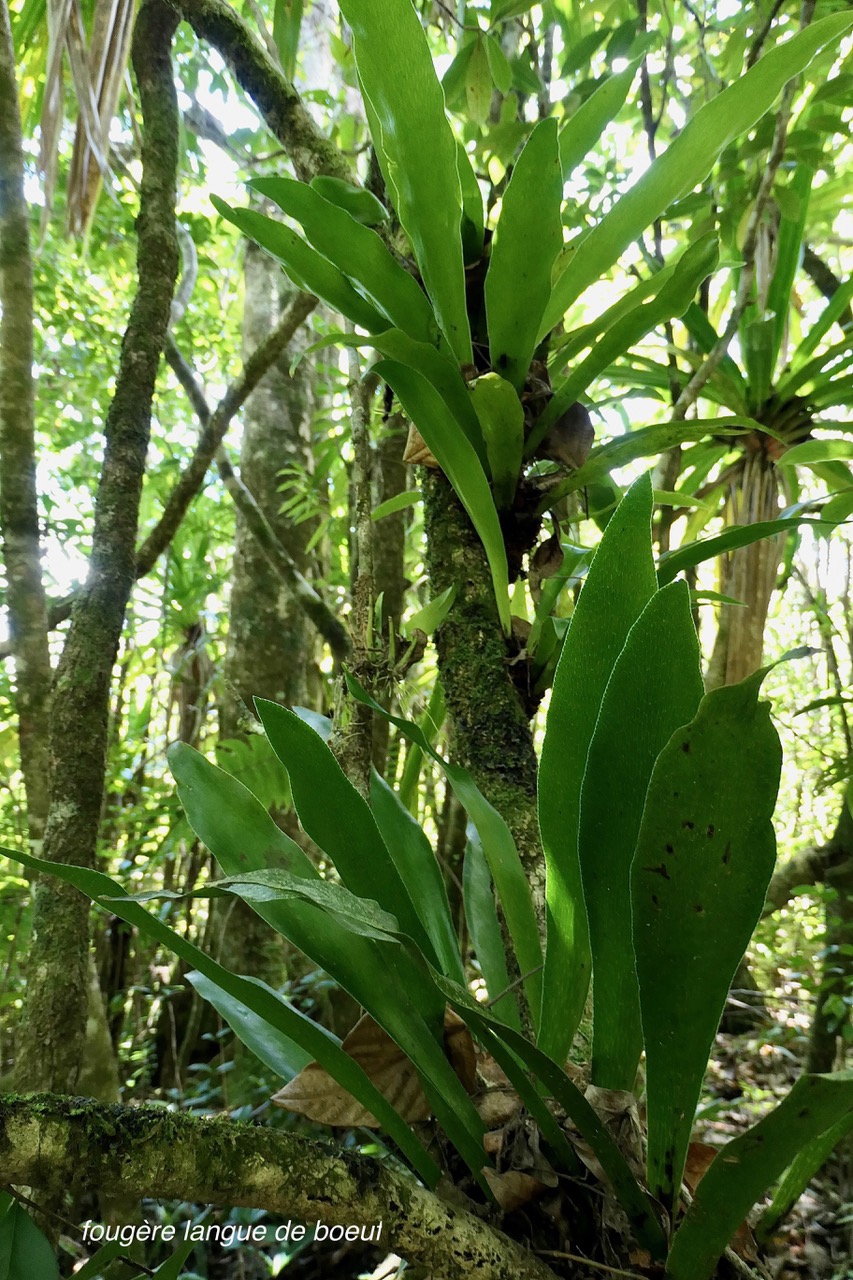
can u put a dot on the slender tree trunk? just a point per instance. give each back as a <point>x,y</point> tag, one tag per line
<point>749,575</point>
<point>19,519</point>
<point>271,643</point>
<point>54,1021</point>
<point>390,474</point>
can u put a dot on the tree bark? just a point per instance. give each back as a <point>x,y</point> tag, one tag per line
<point>311,152</point>
<point>19,518</point>
<point>148,1152</point>
<point>491,733</point>
<point>55,1013</point>
<point>270,641</point>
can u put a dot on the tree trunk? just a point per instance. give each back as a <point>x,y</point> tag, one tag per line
<point>748,575</point>
<point>271,643</point>
<point>19,516</point>
<point>491,733</point>
<point>54,1024</point>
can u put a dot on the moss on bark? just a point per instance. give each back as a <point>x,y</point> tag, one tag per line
<point>55,1014</point>
<point>152,1152</point>
<point>219,25</point>
<point>490,731</point>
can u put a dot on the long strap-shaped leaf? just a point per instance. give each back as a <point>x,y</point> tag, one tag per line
<point>337,818</point>
<point>417,150</point>
<point>704,858</point>
<point>307,269</point>
<point>358,252</point>
<point>498,846</point>
<point>583,129</point>
<point>412,853</point>
<point>620,581</point>
<point>789,249</point>
<point>689,159</point>
<point>484,929</point>
<point>492,1031</point>
<point>645,443</point>
<point>459,462</point>
<point>832,312</point>
<point>692,553</point>
<point>274,1011</point>
<point>673,300</point>
<point>806,1163</point>
<point>381,976</point>
<point>439,370</point>
<point>744,1169</point>
<point>527,240</point>
<point>656,685</point>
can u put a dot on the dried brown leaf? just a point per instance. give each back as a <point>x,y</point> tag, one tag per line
<point>513,1189</point>
<point>417,451</point>
<point>315,1094</point>
<point>461,1050</point>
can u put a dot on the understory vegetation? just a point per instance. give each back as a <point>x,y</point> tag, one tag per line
<point>426,642</point>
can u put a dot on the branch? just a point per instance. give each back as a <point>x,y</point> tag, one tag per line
<point>329,626</point>
<point>19,521</point>
<point>149,1152</point>
<point>311,151</point>
<point>824,278</point>
<point>214,427</point>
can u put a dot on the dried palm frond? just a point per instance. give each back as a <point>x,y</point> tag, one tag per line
<point>98,68</point>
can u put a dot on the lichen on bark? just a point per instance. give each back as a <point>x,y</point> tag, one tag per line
<point>152,1152</point>
<point>19,514</point>
<point>55,1012</point>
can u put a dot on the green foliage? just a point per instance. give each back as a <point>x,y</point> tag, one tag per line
<point>599,628</point>
<point>689,159</point>
<point>528,239</point>
<point>655,686</point>
<point>416,149</point>
<point>705,853</point>
<point>673,849</point>
<point>24,1250</point>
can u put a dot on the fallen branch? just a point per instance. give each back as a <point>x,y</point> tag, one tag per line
<point>150,1152</point>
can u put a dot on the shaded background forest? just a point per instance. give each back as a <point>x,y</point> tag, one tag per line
<point>251,541</point>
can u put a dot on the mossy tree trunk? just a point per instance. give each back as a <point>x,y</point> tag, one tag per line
<point>54,1024</point>
<point>490,729</point>
<point>19,512</point>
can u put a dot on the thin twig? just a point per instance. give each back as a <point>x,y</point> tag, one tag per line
<point>330,627</point>
<point>758,42</point>
<point>71,1227</point>
<point>214,429</point>
<point>588,1262</point>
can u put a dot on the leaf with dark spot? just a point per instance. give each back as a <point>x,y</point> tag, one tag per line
<point>686,957</point>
